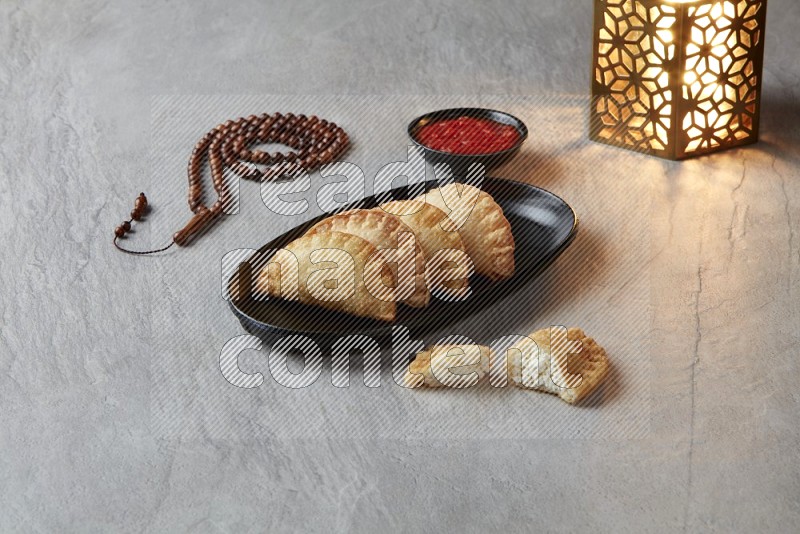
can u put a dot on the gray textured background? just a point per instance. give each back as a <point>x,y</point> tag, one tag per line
<point>78,448</point>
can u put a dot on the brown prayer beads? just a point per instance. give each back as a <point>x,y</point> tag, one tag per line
<point>138,210</point>
<point>314,142</point>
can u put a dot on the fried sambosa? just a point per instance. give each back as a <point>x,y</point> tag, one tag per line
<point>484,229</point>
<point>386,231</point>
<point>435,232</point>
<point>333,270</point>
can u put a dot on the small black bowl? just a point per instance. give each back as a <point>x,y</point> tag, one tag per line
<point>460,163</point>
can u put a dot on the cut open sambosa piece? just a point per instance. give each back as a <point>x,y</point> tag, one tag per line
<point>454,366</point>
<point>567,363</point>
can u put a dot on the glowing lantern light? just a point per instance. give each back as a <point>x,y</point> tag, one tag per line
<point>677,78</point>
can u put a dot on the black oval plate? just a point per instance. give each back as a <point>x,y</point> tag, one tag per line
<point>543,226</point>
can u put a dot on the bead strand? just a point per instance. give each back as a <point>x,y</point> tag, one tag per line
<point>229,146</point>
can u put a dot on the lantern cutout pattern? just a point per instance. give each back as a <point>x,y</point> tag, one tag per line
<point>676,78</point>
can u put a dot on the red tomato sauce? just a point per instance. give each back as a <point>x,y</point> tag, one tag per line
<point>468,135</point>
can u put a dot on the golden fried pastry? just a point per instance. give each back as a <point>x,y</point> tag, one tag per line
<point>483,227</point>
<point>578,367</point>
<point>435,232</point>
<point>385,231</point>
<point>455,366</point>
<point>333,270</point>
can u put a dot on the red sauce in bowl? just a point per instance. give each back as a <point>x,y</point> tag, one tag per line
<point>468,135</point>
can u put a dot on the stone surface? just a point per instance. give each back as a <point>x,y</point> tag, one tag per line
<point>81,450</point>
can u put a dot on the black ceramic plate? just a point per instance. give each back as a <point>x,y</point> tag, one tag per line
<point>543,226</point>
<point>459,163</point>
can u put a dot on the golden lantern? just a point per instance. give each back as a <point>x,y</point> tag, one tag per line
<point>677,78</point>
